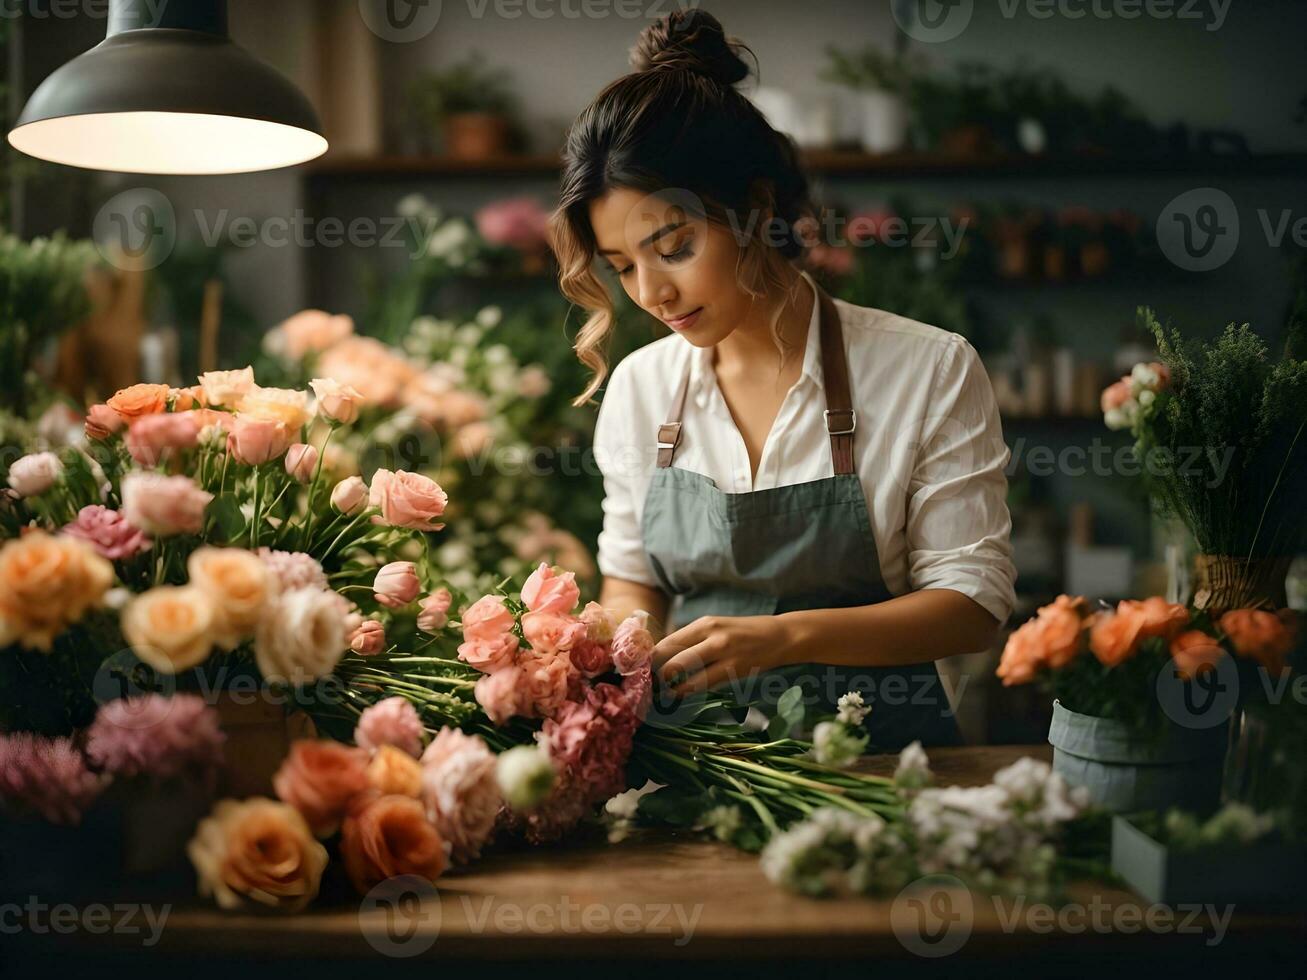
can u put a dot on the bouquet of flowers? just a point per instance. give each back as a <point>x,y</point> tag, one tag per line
<point>1220,426</point>
<point>1106,662</point>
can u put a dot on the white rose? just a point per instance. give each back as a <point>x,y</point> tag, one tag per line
<point>302,636</point>
<point>33,475</point>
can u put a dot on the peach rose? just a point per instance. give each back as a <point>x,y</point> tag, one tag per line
<point>394,772</point>
<point>1161,618</point>
<point>548,591</point>
<point>1114,637</point>
<point>552,633</point>
<point>1265,637</point>
<point>164,505</point>
<point>1062,631</point>
<point>1023,655</point>
<point>1115,395</point>
<point>435,611</point>
<point>140,400</point>
<point>237,583</point>
<point>289,406</point>
<point>102,422</point>
<point>185,399</point>
<point>396,584</point>
<point>598,622</point>
<point>487,618</point>
<point>374,370</point>
<point>350,496</point>
<point>170,627</point>
<point>47,584</point>
<point>337,402</point>
<point>546,681</point>
<point>257,851</point>
<point>301,462</point>
<point>386,836</point>
<point>501,694</point>
<point>407,500</point>
<point>1194,652</point>
<point>154,439</point>
<point>311,332</point>
<point>489,653</point>
<point>225,389</point>
<point>255,441</point>
<point>369,639</point>
<point>319,778</point>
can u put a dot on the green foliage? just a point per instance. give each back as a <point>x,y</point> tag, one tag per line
<point>869,69</point>
<point>467,86</point>
<point>1233,420</point>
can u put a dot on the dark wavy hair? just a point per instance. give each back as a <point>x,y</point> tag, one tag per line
<point>677,123</point>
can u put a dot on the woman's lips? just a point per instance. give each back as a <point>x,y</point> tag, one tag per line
<point>685,322</point>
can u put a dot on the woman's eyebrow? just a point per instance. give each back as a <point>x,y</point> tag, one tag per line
<point>664,230</point>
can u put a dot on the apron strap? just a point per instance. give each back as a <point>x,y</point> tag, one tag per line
<point>841,421</point>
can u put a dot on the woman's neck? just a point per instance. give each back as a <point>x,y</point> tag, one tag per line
<point>751,346</point>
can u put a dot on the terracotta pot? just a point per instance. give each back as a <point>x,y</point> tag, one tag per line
<point>476,135</point>
<point>258,738</point>
<point>1223,582</point>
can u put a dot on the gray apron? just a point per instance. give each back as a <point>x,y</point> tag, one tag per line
<point>806,546</point>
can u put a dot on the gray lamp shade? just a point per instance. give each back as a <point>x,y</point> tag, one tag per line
<point>167,92</point>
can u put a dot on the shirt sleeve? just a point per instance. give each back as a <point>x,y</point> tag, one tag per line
<point>958,526</point>
<point>620,451</point>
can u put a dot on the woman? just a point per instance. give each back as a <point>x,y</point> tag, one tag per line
<point>811,492</point>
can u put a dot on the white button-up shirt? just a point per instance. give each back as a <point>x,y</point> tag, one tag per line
<point>928,450</point>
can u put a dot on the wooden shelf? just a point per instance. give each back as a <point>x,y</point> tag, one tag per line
<point>844,163</point>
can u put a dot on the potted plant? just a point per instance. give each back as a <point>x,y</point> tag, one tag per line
<point>1221,424</point>
<point>881,82</point>
<point>471,104</point>
<point>1143,693</point>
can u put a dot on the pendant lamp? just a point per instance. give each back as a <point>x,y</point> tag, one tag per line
<point>167,92</point>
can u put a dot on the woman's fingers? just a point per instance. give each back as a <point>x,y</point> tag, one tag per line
<point>689,661</point>
<point>716,674</point>
<point>683,639</point>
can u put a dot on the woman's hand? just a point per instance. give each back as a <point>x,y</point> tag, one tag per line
<point>714,650</point>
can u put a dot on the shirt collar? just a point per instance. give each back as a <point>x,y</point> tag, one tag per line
<point>702,379</point>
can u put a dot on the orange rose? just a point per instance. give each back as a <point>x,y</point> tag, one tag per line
<point>1114,637</point>
<point>319,778</point>
<point>1064,623</point>
<point>257,851</point>
<point>1023,656</point>
<point>1194,652</point>
<point>1161,618</point>
<point>394,772</point>
<point>385,836</point>
<point>47,584</point>
<point>1265,637</point>
<point>139,400</point>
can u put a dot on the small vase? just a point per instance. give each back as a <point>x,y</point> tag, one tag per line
<point>1224,582</point>
<point>1125,774</point>
<point>476,135</point>
<point>884,122</point>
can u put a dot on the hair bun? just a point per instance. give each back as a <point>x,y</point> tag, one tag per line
<point>691,40</point>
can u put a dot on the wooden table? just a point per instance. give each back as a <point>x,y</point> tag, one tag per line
<point>662,901</point>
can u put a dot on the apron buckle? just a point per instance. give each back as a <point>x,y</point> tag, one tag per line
<point>852,418</point>
<point>669,434</point>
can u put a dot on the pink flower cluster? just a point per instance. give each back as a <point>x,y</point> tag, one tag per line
<point>48,776</point>
<point>156,736</point>
<point>108,532</point>
<point>563,651</point>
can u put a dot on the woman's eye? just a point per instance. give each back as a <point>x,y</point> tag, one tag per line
<point>681,253</point>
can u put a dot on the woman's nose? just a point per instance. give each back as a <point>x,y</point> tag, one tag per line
<point>656,289</point>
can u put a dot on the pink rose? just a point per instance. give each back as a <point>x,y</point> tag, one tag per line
<point>486,618</point>
<point>396,585</point>
<point>549,592</point>
<point>407,500</point>
<point>301,462</point>
<point>632,645</point>
<point>337,402</point>
<point>151,439</point>
<point>319,778</point>
<point>108,532</point>
<point>164,505</point>
<point>350,495</point>
<point>435,611</point>
<point>598,623</point>
<point>311,332</point>
<point>393,721</point>
<point>518,222</point>
<point>552,633</point>
<point>546,682</point>
<point>1116,394</point>
<point>255,441</point>
<point>489,654</point>
<point>590,658</point>
<point>502,694</point>
<point>102,422</point>
<point>369,639</point>
<point>461,791</point>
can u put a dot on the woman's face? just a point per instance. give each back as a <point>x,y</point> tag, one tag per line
<point>676,265</point>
